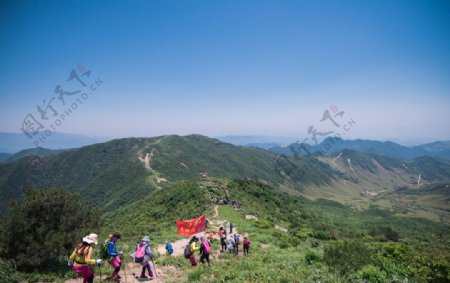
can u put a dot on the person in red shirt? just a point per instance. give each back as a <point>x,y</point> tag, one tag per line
<point>246,245</point>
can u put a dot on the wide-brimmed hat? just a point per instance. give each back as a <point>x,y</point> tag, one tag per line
<point>90,239</point>
<point>146,239</point>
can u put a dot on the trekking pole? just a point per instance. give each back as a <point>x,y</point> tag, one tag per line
<point>154,267</point>
<point>100,271</point>
<point>124,268</point>
<point>124,263</point>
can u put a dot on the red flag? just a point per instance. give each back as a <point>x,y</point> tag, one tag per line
<point>191,226</point>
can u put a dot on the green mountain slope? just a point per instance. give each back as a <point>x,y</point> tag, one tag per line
<point>118,172</point>
<point>364,171</point>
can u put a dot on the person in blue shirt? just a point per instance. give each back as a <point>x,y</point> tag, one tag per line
<point>115,256</point>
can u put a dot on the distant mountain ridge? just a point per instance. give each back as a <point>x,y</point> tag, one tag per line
<point>37,151</point>
<point>244,140</point>
<point>4,156</point>
<point>15,142</point>
<point>333,145</point>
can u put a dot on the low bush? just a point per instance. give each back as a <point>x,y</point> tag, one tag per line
<point>312,257</point>
<point>347,256</point>
<point>372,274</point>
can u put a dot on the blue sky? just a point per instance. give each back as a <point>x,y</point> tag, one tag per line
<point>232,67</point>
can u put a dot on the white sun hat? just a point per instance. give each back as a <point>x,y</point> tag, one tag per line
<point>91,239</point>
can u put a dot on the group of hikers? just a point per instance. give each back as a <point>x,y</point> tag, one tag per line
<point>230,244</point>
<point>81,260</point>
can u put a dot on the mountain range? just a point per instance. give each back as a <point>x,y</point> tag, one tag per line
<point>117,172</point>
<point>333,145</point>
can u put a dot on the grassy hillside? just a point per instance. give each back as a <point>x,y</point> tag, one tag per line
<point>105,174</point>
<point>293,239</point>
<point>426,201</point>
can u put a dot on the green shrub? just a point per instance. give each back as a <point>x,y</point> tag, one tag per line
<point>347,256</point>
<point>264,224</point>
<point>312,257</point>
<point>430,267</point>
<point>385,234</point>
<point>40,232</point>
<point>321,235</point>
<point>8,272</point>
<point>400,252</point>
<point>370,273</point>
<point>284,240</point>
<point>304,233</point>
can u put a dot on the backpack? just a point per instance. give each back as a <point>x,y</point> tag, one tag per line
<point>169,248</point>
<point>236,239</point>
<point>104,250</point>
<point>187,251</point>
<point>139,254</point>
<point>206,247</point>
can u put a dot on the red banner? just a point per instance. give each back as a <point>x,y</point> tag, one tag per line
<point>191,226</point>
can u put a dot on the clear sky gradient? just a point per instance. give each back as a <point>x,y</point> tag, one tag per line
<point>232,67</point>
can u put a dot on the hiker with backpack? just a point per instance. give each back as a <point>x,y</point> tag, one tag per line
<point>142,254</point>
<point>231,244</point>
<point>114,256</point>
<point>223,238</point>
<point>81,258</point>
<point>205,250</point>
<point>246,245</point>
<point>169,248</point>
<point>236,242</point>
<point>191,248</point>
